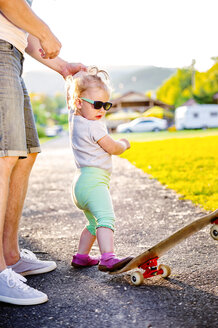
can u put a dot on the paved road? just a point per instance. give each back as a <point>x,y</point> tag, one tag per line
<point>146,213</point>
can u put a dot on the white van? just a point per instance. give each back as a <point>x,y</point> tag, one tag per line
<point>196,117</point>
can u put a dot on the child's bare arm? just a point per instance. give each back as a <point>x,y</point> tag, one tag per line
<point>112,146</point>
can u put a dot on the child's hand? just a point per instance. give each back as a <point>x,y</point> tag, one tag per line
<point>126,142</point>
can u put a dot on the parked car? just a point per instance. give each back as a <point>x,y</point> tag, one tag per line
<point>143,125</point>
<point>196,116</point>
<point>53,130</point>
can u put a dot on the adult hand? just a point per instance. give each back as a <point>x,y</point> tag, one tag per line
<point>51,47</point>
<point>72,68</point>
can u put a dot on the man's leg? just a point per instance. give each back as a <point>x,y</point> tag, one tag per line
<point>12,287</point>
<point>6,166</point>
<point>16,197</point>
<point>24,262</point>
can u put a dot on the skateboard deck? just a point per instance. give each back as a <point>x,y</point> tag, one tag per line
<point>148,259</point>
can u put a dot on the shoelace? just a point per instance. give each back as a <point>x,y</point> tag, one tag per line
<point>28,254</point>
<point>15,279</point>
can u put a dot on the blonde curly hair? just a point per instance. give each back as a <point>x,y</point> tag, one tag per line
<point>77,84</point>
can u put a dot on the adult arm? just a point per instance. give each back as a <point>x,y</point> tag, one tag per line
<point>114,147</point>
<point>21,15</point>
<point>57,64</point>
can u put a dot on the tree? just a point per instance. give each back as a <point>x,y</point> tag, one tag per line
<point>206,84</point>
<point>177,89</point>
<point>188,83</point>
<point>47,108</point>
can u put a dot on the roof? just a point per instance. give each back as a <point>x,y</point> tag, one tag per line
<point>190,102</point>
<point>130,96</point>
<point>136,99</point>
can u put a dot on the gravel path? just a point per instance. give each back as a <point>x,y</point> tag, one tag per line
<point>146,213</point>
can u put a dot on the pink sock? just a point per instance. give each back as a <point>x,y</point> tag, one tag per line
<point>106,256</point>
<point>82,256</point>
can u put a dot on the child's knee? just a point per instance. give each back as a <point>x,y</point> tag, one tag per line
<point>91,229</point>
<point>92,222</point>
<point>106,223</point>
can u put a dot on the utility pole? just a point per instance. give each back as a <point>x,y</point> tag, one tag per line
<point>193,75</point>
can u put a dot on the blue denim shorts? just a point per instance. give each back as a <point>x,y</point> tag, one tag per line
<point>18,134</point>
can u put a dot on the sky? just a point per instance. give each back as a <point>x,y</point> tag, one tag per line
<point>163,33</point>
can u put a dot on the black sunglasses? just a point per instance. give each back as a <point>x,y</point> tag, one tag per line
<point>98,104</point>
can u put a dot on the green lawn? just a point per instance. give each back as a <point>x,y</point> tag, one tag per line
<point>189,165</point>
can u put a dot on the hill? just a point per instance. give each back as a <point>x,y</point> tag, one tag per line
<point>124,79</point>
<point>140,79</point>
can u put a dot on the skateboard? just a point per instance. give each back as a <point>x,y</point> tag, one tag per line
<point>147,261</point>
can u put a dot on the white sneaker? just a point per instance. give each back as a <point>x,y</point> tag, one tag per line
<point>28,264</point>
<point>14,290</point>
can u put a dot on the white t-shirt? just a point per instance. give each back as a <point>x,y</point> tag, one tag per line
<point>13,34</point>
<point>84,136</point>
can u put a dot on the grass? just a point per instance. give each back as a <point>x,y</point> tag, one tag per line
<point>188,165</point>
<point>43,140</point>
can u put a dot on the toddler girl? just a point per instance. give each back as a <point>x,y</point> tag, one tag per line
<point>88,94</point>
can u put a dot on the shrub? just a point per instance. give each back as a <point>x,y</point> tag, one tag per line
<point>41,131</point>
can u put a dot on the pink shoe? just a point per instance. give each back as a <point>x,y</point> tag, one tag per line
<point>109,262</point>
<point>84,260</point>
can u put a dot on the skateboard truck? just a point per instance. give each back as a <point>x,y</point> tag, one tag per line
<point>150,269</point>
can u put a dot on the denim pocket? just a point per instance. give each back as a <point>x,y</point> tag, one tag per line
<point>6,46</point>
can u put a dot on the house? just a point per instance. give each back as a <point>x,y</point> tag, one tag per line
<point>136,102</point>
<point>215,98</point>
<point>190,102</point>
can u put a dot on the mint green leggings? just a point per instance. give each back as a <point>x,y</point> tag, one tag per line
<point>91,194</point>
